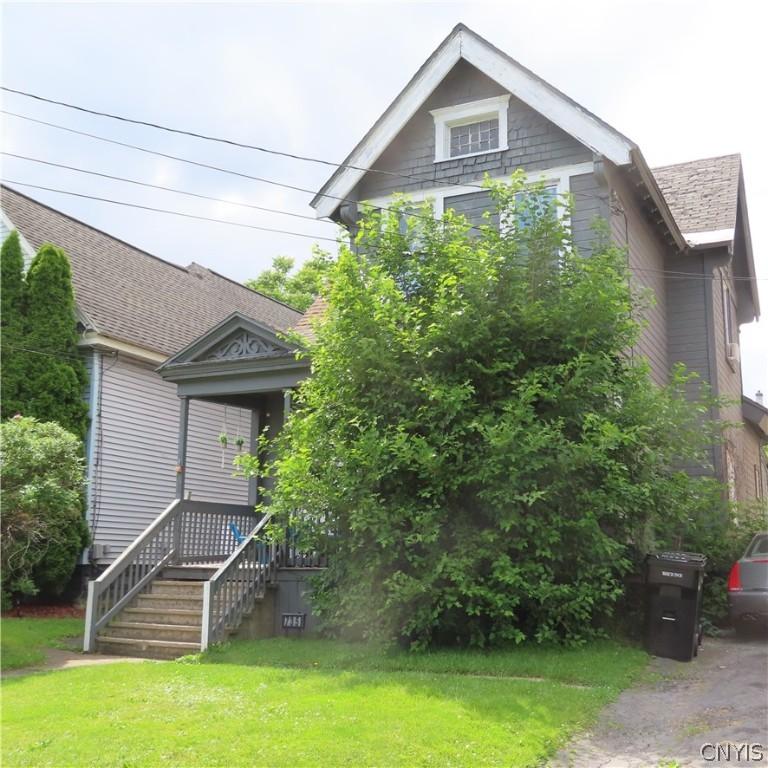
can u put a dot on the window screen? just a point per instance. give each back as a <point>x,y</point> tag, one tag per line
<point>475,137</point>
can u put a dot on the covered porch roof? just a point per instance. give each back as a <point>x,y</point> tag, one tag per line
<point>235,360</point>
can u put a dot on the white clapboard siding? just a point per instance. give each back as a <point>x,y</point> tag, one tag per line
<point>135,477</point>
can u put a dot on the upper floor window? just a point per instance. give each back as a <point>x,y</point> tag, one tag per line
<point>473,128</point>
<point>475,137</point>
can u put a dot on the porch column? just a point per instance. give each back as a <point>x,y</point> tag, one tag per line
<point>181,468</point>
<point>253,449</point>
<point>286,404</point>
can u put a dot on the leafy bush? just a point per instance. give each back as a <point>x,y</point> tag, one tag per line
<point>487,456</point>
<point>297,289</point>
<point>42,526</point>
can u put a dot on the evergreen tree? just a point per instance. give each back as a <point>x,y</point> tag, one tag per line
<point>55,375</point>
<point>11,323</point>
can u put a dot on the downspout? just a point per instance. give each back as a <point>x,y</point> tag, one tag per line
<point>92,445</point>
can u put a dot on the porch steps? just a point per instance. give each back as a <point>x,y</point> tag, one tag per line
<point>143,630</point>
<point>182,616</point>
<point>163,623</point>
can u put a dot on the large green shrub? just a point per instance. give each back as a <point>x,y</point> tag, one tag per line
<point>54,373</point>
<point>489,460</point>
<point>42,526</point>
<point>11,324</point>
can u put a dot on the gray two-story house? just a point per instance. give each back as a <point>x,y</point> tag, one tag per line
<point>472,110</point>
<point>190,579</point>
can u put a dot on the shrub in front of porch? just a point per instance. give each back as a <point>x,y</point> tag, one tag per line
<point>487,457</point>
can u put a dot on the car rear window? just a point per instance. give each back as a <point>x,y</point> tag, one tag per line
<point>759,546</point>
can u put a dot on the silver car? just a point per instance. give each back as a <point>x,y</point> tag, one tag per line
<point>748,586</point>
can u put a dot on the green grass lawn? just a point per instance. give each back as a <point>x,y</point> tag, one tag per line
<point>22,641</point>
<point>310,702</point>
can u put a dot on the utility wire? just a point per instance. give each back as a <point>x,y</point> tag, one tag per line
<point>187,160</point>
<point>166,189</point>
<point>219,169</point>
<point>669,273</point>
<point>172,213</point>
<point>243,145</point>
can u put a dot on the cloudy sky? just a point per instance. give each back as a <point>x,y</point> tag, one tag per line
<point>682,79</point>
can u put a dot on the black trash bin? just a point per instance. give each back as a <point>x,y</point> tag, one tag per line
<point>673,583</point>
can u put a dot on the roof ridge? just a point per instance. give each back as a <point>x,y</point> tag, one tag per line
<point>5,187</point>
<point>696,160</point>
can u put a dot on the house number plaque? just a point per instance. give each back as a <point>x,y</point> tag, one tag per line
<point>294,620</point>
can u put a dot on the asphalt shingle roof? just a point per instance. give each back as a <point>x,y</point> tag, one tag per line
<point>702,194</point>
<point>133,296</point>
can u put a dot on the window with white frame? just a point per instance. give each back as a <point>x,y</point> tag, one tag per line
<point>473,128</point>
<point>466,198</point>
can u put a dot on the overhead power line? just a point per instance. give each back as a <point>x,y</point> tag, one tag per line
<point>668,273</point>
<point>203,136</point>
<point>166,189</point>
<point>187,160</point>
<point>412,177</point>
<point>421,178</point>
<point>169,212</point>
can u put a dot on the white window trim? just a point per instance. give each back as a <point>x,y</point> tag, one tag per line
<point>559,176</point>
<point>464,114</point>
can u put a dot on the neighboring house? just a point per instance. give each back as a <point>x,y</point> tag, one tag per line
<point>136,310</point>
<point>472,110</point>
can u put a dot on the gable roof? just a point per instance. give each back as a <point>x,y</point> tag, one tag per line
<point>132,296</point>
<point>564,112</point>
<point>702,194</point>
<point>463,43</point>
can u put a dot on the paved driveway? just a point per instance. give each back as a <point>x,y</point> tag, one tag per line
<point>720,697</point>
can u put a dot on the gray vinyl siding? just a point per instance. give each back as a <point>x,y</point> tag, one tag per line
<point>687,332</point>
<point>647,255</point>
<point>137,452</point>
<point>590,203</point>
<point>726,377</point>
<point>534,143</point>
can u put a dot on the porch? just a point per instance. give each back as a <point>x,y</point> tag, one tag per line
<point>202,568</point>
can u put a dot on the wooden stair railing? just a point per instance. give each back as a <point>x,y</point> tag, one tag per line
<point>186,533</point>
<point>132,572</point>
<point>233,590</point>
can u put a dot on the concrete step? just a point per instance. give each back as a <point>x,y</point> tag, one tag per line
<point>187,602</point>
<point>183,616</point>
<point>185,633</point>
<point>147,649</point>
<point>174,588</point>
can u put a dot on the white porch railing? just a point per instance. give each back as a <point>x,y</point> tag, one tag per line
<point>232,591</point>
<point>187,532</point>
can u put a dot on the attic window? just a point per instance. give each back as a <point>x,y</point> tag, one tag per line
<point>474,128</point>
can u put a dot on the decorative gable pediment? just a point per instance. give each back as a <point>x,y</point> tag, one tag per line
<point>242,344</point>
<point>236,339</point>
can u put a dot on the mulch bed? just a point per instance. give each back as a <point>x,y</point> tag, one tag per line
<point>45,612</point>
